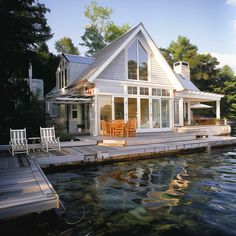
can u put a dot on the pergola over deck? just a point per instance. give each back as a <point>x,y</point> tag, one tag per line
<point>190,96</point>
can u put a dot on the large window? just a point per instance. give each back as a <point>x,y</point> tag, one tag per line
<point>105,108</point>
<point>143,59</point>
<point>61,74</point>
<point>137,62</point>
<point>119,108</point>
<point>132,108</point>
<point>144,110</point>
<point>132,61</point>
<point>165,113</point>
<point>155,113</point>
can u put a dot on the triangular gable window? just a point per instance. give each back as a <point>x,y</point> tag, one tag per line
<point>137,62</point>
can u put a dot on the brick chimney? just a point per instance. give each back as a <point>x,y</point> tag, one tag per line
<point>182,68</point>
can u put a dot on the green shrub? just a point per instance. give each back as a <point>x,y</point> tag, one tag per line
<point>65,136</point>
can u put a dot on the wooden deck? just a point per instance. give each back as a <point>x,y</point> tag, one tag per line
<point>23,187</point>
<point>137,146</point>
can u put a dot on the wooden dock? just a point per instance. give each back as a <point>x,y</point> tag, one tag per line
<point>136,147</point>
<point>23,187</point>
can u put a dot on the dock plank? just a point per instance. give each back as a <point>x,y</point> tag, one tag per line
<point>24,188</point>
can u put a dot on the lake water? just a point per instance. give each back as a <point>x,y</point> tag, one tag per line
<point>191,194</point>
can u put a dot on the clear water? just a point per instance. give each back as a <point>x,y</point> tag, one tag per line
<point>191,194</point>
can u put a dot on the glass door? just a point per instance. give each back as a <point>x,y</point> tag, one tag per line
<point>176,112</point>
<point>155,113</point>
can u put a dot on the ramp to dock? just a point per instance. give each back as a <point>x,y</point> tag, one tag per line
<point>24,188</point>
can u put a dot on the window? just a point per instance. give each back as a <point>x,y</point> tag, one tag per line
<point>176,112</point>
<point>143,59</point>
<point>74,112</point>
<point>132,90</point>
<point>105,103</point>
<point>119,108</point>
<point>143,91</point>
<point>166,92</point>
<point>155,113</point>
<point>132,108</point>
<point>165,113</point>
<point>62,79</point>
<point>137,62</point>
<point>156,92</point>
<point>132,61</point>
<point>144,110</point>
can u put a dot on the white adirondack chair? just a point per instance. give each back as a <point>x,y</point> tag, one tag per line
<point>18,141</point>
<point>49,140</point>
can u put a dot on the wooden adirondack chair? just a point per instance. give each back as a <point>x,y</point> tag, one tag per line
<point>49,140</point>
<point>18,141</point>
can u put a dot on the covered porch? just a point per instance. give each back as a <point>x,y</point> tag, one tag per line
<point>71,114</point>
<point>194,103</point>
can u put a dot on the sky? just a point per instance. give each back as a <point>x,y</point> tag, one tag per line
<point>209,24</point>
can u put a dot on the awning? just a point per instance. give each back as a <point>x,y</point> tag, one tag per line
<point>71,100</point>
<point>200,106</point>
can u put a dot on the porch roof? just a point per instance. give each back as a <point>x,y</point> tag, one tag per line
<point>71,100</point>
<point>199,95</point>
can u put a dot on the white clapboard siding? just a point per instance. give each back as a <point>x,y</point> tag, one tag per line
<point>75,70</point>
<point>158,75</point>
<point>110,88</point>
<point>116,69</point>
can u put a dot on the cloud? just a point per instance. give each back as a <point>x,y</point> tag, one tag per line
<point>231,2</point>
<point>226,59</point>
<point>234,24</point>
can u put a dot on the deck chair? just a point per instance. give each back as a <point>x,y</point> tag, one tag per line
<point>49,140</point>
<point>18,141</point>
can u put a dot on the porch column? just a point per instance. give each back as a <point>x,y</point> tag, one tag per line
<point>181,111</point>
<point>218,109</point>
<point>189,113</point>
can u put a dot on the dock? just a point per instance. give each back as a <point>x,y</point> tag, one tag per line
<point>23,187</point>
<point>136,147</point>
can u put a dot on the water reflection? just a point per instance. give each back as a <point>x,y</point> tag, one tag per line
<point>187,194</point>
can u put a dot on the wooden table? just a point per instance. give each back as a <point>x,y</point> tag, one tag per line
<point>35,143</point>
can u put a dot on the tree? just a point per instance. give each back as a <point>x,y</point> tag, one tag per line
<point>182,49</point>
<point>44,65</point>
<point>203,67</point>
<point>101,30</point>
<point>24,28</point>
<point>225,83</point>
<point>114,31</point>
<point>65,45</point>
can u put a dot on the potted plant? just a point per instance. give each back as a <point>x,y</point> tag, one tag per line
<point>80,127</point>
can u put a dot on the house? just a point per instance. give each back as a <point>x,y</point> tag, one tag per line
<point>127,79</point>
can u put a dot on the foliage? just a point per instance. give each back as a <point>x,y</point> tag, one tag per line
<point>65,45</point>
<point>64,136</point>
<point>93,40</point>
<point>44,65</point>
<point>101,30</point>
<point>205,74</point>
<point>225,83</point>
<point>24,28</point>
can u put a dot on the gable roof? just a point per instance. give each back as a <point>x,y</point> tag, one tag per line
<point>186,83</point>
<point>72,58</point>
<point>105,56</point>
